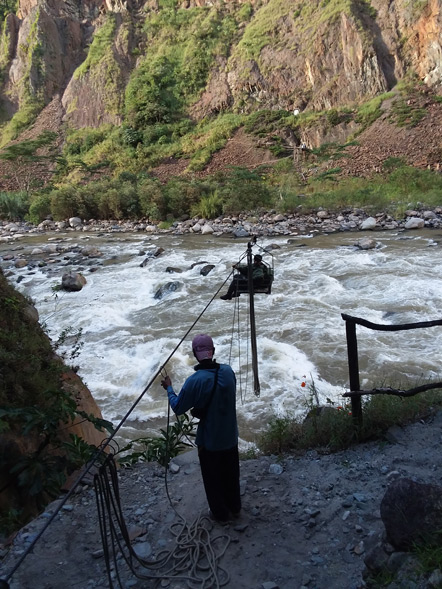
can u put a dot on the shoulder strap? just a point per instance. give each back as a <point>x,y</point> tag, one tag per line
<point>215,382</point>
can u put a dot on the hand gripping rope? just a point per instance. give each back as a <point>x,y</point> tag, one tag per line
<point>201,557</point>
<point>195,558</point>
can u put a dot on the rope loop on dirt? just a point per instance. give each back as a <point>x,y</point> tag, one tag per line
<point>194,559</point>
<point>100,453</point>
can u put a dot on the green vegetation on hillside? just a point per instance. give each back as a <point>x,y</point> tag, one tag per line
<point>133,196</point>
<point>30,93</point>
<point>105,172</point>
<point>35,456</point>
<point>183,45</point>
<point>101,44</point>
<point>7,7</point>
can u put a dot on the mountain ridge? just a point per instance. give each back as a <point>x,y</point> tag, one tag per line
<point>135,66</point>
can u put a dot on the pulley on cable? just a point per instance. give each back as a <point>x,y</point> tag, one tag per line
<point>254,277</point>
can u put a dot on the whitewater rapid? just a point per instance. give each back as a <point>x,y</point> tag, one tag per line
<point>127,334</point>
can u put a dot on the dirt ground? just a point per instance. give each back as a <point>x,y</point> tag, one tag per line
<point>307,522</point>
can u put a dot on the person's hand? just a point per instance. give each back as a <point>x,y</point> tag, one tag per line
<point>166,382</point>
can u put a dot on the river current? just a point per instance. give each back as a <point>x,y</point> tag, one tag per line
<point>128,334</point>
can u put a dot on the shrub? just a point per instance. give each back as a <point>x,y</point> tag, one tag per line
<point>333,427</point>
<point>81,141</point>
<point>150,95</point>
<point>171,442</point>
<point>63,203</point>
<point>39,208</point>
<point>149,195</point>
<point>244,189</point>
<point>179,196</point>
<point>209,207</point>
<point>120,201</point>
<point>14,205</point>
<point>392,163</point>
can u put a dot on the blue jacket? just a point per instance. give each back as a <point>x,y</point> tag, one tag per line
<point>219,429</point>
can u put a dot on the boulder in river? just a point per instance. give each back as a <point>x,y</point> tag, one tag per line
<point>366,243</point>
<point>166,289</point>
<point>152,254</point>
<point>72,281</point>
<point>206,269</point>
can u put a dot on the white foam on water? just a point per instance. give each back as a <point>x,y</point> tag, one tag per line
<point>128,334</point>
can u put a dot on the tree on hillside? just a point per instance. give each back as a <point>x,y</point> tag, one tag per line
<point>6,7</point>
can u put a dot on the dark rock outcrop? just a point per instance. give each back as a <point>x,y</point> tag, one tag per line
<point>412,513</point>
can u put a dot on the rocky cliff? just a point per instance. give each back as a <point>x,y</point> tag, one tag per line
<point>270,54</point>
<point>43,404</point>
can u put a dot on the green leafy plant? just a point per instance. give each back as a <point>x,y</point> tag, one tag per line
<point>35,407</point>
<point>13,205</point>
<point>209,207</point>
<point>70,339</point>
<point>172,441</point>
<point>332,428</point>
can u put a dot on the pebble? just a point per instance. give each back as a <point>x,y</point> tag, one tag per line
<point>243,225</point>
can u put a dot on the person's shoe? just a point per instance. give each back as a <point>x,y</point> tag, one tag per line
<point>226,297</point>
<point>217,519</point>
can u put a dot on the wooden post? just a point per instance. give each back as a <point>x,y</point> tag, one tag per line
<point>256,385</point>
<point>353,368</point>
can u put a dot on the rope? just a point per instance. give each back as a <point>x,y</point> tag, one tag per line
<point>195,558</point>
<point>100,451</point>
<point>194,538</point>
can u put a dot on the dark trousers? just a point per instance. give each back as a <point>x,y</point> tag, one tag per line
<point>220,471</point>
<point>239,282</point>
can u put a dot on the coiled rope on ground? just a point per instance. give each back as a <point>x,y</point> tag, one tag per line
<point>111,505</point>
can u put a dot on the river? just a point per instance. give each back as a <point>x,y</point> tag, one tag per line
<point>127,334</point>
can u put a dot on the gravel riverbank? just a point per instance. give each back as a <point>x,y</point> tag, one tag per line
<point>308,522</point>
<point>265,224</point>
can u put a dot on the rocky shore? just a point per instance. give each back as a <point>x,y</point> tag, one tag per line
<point>308,522</point>
<point>244,225</point>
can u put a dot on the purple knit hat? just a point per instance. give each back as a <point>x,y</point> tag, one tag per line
<point>202,346</point>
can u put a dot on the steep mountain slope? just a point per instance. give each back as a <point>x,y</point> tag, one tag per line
<point>135,65</point>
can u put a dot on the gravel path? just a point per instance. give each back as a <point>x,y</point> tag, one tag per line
<point>307,522</point>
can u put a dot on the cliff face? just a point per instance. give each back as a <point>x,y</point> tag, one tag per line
<point>39,400</point>
<point>283,54</point>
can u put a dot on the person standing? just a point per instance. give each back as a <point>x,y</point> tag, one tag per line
<point>211,392</point>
